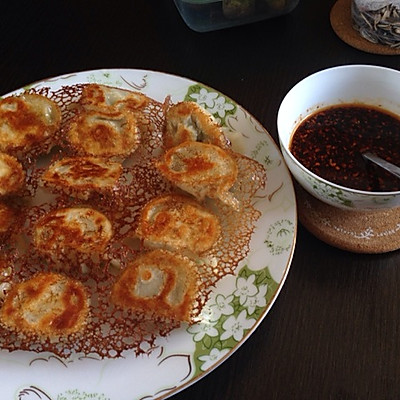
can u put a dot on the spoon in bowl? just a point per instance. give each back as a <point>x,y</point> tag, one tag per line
<point>393,169</point>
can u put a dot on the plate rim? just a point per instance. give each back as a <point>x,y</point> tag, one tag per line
<point>190,81</point>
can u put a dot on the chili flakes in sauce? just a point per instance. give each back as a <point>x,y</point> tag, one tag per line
<point>331,141</point>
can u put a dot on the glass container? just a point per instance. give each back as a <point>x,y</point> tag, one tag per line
<point>209,15</point>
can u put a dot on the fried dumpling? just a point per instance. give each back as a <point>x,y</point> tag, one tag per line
<point>104,133</point>
<point>76,229</point>
<point>97,96</point>
<point>81,176</point>
<point>178,223</point>
<point>7,218</point>
<point>188,121</point>
<point>48,304</point>
<point>27,121</point>
<point>12,175</point>
<point>159,283</point>
<point>201,169</point>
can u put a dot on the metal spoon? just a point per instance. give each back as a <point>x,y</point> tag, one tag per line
<point>382,163</point>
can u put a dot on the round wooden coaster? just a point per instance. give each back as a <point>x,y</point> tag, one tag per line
<point>342,24</point>
<point>367,232</point>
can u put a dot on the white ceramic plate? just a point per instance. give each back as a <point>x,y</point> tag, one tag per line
<point>237,305</point>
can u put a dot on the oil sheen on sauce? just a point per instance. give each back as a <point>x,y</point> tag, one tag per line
<point>330,143</point>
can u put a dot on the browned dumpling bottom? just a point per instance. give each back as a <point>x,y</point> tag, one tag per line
<point>104,133</point>
<point>201,169</point>
<point>80,229</point>
<point>95,95</point>
<point>159,284</point>
<point>27,121</point>
<point>188,121</point>
<point>48,304</point>
<point>12,175</point>
<point>82,176</point>
<point>178,223</point>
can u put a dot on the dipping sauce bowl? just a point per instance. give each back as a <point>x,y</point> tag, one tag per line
<point>366,86</point>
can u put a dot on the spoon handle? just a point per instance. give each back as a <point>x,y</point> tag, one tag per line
<point>382,163</point>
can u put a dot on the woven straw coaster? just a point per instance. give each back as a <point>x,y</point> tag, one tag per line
<point>342,24</point>
<point>367,232</point>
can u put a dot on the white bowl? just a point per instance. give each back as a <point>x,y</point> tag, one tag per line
<point>368,84</point>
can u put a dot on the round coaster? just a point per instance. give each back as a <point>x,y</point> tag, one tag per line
<point>342,24</point>
<point>367,232</point>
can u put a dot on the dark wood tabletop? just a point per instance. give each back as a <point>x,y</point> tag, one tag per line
<point>334,330</point>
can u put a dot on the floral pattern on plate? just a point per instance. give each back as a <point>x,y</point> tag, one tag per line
<point>228,318</point>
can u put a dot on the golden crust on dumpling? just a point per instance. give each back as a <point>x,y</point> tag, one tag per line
<point>158,283</point>
<point>7,218</point>
<point>104,133</point>
<point>201,169</point>
<point>12,175</point>
<point>82,175</point>
<point>188,121</point>
<point>178,223</point>
<point>27,121</point>
<point>97,96</point>
<point>48,304</point>
<point>76,229</point>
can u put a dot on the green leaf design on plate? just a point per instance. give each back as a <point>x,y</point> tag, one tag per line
<point>106,79</point>
<point>27,87</point>
<point>78,395</point>
<point>279,236</point>
<point>228,318</point>
<point>214,102</point>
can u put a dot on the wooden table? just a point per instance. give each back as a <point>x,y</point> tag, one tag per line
<point>333,332</point>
